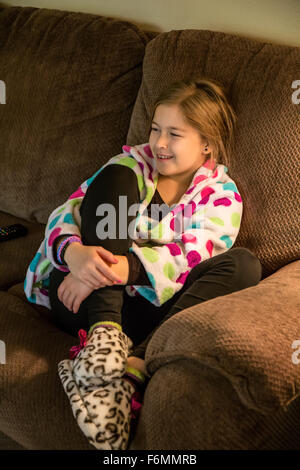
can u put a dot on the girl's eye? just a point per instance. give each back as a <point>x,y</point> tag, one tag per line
<point>175,135</point>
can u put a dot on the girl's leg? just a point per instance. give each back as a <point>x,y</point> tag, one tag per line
<point>62,317</point>
<point>103,304</point>
<point>100,386</point>
<point>236,269</point>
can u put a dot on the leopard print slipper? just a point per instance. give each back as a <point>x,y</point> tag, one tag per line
<point>102,413</point>
<point>103,358</point>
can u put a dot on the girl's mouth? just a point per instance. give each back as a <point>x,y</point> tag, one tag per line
<point>164,157</point>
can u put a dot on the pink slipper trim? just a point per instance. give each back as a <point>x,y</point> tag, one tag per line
<point>74,351</point>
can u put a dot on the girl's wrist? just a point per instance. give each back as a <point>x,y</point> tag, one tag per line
<point>59,246</point>
<point>69,249</point>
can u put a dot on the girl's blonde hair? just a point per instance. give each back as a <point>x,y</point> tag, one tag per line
<point>205,107</point>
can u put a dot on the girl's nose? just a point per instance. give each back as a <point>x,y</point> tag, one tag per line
<point>162,141</point>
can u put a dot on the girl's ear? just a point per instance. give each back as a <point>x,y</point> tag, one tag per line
<point>207,148</point>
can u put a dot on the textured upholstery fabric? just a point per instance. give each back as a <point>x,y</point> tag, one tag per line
<point>218,358</point>
<point>236,339</point>
<point>258,78</point>
<point>222,372</point>
<point>8,444</point>
<point>70,93</point>
<point>16,254</point>
<point>222,375</point>
<point>35,411</point>
<point>190,406</point>
<point>17,290</point>
<point>71,82</point>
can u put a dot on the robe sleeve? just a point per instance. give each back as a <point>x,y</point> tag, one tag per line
<point>65,220</point>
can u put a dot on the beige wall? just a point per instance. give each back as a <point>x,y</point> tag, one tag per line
<point>276,21</point>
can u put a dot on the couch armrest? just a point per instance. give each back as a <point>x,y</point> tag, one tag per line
<point>247,336</point>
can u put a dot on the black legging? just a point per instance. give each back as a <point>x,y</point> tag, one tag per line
<point>236,269</point>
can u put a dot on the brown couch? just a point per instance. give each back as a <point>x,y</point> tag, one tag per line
<point>78,87</point>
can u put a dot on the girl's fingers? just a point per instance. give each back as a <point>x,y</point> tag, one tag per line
<point>96,282</point>
<point>107,255</point>
<point>98,277</point>
<point>89,284</point>
<point>106,281</point>
<point>107,272</point>
<point>60,291</point>
<point>76,306</point>
<point>91,280</point>
<point>67,299</point>
<point>71,301</point>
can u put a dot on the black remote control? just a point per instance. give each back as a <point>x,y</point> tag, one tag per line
<point>12,231</point>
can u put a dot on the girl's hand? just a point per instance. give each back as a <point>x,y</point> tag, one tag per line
<point>73,292</point>
<point>91,265</point>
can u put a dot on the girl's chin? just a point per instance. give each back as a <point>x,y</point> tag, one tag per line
<point>165,172</point>
<point>165,165</point>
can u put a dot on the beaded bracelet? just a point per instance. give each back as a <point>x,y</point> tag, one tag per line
<point>63,246</point>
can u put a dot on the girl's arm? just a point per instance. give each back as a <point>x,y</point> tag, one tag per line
<point>64,221</point>
<point>72,292</point>
<point>94,262</point>
<point>88,261</point>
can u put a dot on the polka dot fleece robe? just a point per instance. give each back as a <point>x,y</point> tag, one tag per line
<point>203,224</point>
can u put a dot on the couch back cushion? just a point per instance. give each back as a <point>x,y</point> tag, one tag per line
<point>258,78</point>
<point>71,83</point>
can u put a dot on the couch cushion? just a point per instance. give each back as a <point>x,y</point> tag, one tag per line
<point>188,405</point>
<point>16,255</point>
<point>71,82</point>
<point>265,165</point>
<point>250,337</point>
<point>18,291</point>
<point>34,409</point>
<point>8,444</point>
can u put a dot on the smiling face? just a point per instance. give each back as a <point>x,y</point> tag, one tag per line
<point>181,145</point>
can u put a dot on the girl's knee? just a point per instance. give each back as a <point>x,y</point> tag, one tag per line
<point>110,195</point>
<point>113,178</point>
<point>113,181</point>
<point>247,266</point>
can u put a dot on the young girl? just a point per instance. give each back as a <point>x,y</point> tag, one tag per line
<point>181,212</point>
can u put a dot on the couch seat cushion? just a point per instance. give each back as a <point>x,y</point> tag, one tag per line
<point>34,409</point>
<point>16,255</point>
